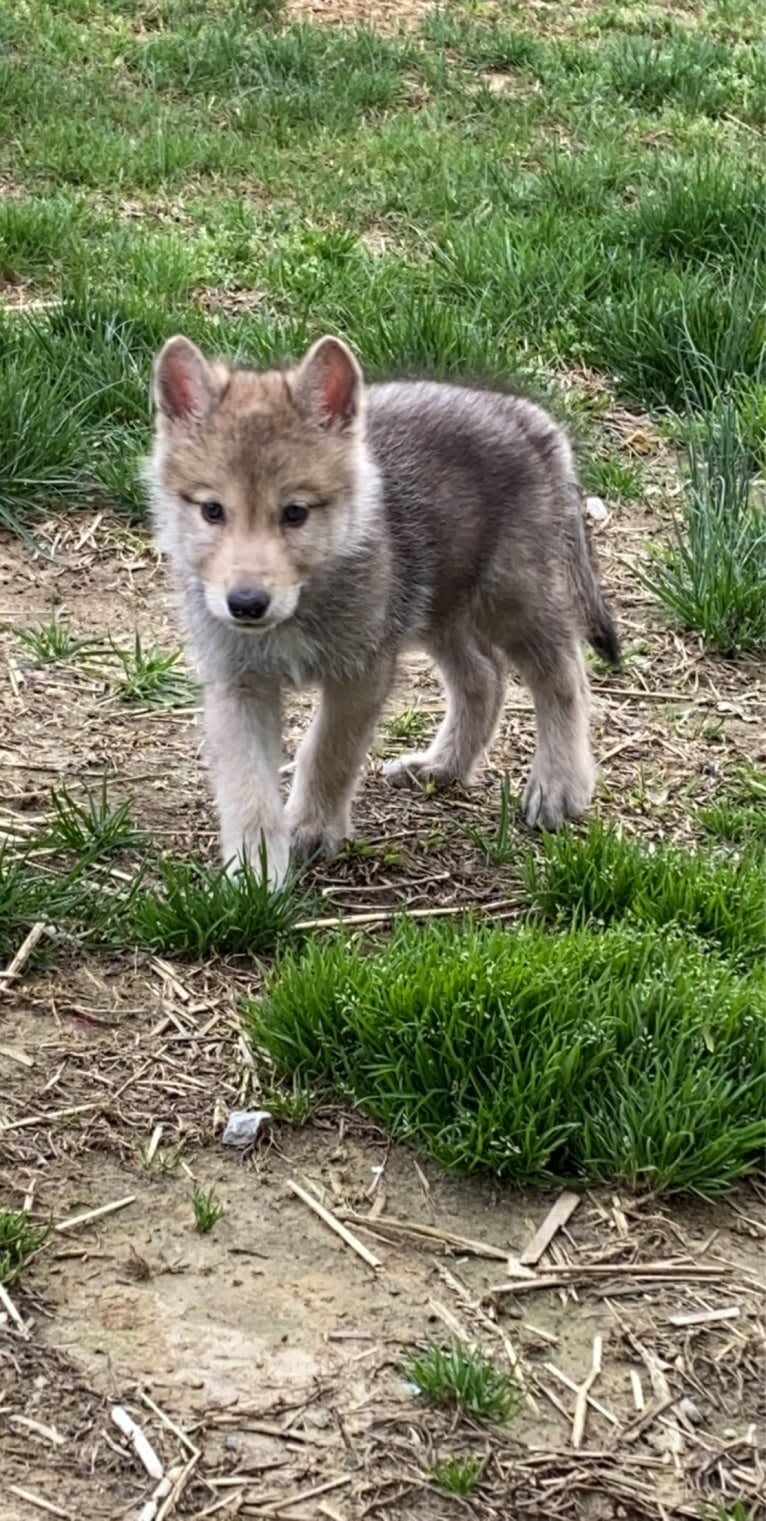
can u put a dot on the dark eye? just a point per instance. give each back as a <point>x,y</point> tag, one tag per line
<point>294,514</point>
<point>212,512</point>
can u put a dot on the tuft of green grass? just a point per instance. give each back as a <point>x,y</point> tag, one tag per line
<point>628,1053</point>
<point>199,909</point>
<point>19,1240</point>
<point>463,1379</point>
<point>609,476</point>
<point>712,576</point>
<point>207,1209</point>
<point>151,677</point>
<point>738,814</point>
<point>458,1475</point>
<point>500,848</point>
<point>20,899</point>
<point>50,643</point>
<point>93,827</point>
<point>599,878</point>
<point>410,727</point>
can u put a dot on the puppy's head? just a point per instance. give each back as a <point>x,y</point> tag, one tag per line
<point>254,476</point>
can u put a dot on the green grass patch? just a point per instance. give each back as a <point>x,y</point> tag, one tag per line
<point>19,1240</point>
<point>600,878</point>
<point>462,1379</point>
<point>379,185</point>
<point>92,827</point>
<point>152,678</point>
<point>458,1475</point>
<point>738,814</point>
<point>501,847</point>
<point>632,1053</point>
<point>713,573</point>
<point>198,910</point>
<point>206,1209</point>
<point>51,643</point>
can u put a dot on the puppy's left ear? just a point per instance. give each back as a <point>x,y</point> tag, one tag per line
<point>328,386</point>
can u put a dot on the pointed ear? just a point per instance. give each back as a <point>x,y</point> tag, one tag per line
<point>328,386</point>
<point>185,387</point>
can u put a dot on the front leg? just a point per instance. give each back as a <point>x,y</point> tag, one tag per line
<point>244,742</point>
<point>328,761</point>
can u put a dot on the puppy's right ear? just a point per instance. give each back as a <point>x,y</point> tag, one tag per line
<point>185,386</point>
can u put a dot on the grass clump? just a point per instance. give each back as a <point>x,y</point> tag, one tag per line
<point>629,1053</point>
<point>500,848</point>
<point>200,909</point>
<point>458,1475</point>
<point>50,643</point>
<point>600,878</point>
<point>93,827</point>
<point>18,1242</point>
<point>738,815</point>
<point>463,1379</point>
<point>713,574</point>
<point>151,678</point>
<point>206,1208</point>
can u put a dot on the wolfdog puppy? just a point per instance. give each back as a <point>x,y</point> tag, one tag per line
<point>318,527</point>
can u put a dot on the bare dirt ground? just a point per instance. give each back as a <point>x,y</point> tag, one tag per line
<point>264,1360</point>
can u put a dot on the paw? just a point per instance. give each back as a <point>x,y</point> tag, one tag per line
<point>251,851</point>
<point>554,794</point>
<point>312,835</point>
<point>312,840</point>
<point>419,771</point>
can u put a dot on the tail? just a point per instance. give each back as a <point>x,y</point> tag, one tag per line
<point>600,627</point>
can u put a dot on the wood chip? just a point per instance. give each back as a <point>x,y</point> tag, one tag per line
<point>48,1433</point>
<point>569,1383</point>
<point>89,1215</point>
<point>335,1225</point>
<point>10,1309</point>
<point>272,1508</point>
<point>556,1217</point>
<point>433,1233</point>
<point>140,1443</point>
<point>503,908</point>
<point>581,1403</point>
<point>40,1503</point>
<point>23,953</point>
<point>704,1317</point>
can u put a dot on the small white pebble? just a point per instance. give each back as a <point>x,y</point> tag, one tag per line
<point>596,509</point>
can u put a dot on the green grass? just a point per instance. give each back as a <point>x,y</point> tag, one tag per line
<point>458,1475</point>
<point>641,252</point>
<point>629,1053</point>
<point>93,827</point>
<point>197,910</point>
<point>738,813</point>
<point>152,678</point>
<point>713,573</point>
<point>599,878</point>
<point>502,847</point>
<point>206,1208</point>
<point>410,727</point>
<point>464,1380</point>
<point>186,909</point>
<point>18,1242</point>
<point>50,643</point>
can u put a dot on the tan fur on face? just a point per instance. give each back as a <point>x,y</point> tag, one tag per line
<point>255,453</point>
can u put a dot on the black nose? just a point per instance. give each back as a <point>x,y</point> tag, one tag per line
<point>248,602</point>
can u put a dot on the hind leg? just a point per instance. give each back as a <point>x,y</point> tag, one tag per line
<point>563,775</point>
<point>474,678</point>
